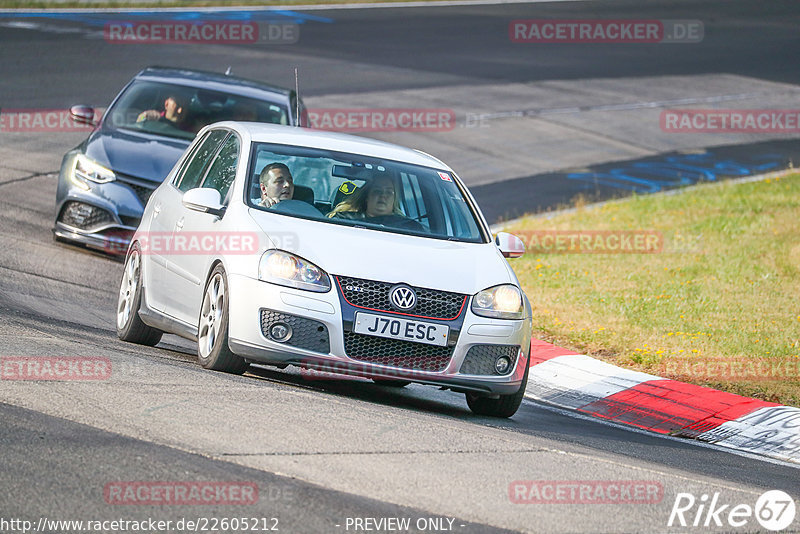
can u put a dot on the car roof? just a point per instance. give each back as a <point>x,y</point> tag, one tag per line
<point>306,137</point>
<point>214,81</point>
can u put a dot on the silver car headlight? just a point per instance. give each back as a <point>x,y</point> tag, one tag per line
<point>500,302</point>
<point>85,169</point>
<point>284,269</point>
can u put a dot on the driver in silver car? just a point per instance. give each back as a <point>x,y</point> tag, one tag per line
<point>276,184</point>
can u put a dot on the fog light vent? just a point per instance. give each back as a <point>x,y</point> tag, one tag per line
<point>295,331</point>
<point>490,360</point>
<point>84,216</point>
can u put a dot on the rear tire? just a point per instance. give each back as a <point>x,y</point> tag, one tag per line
<point>504,406</point>
<point>213,351</point>
<point>130,326</point>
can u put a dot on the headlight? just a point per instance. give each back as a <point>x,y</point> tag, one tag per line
<point>286,269</point>
<point>500,302</point>
<point>85,169</point>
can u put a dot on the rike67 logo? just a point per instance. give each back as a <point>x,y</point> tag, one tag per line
<point>774,510</point>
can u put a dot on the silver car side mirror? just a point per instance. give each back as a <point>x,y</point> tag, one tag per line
<point>82,115</point>
<point>510,245</point>
<point>204,200</point>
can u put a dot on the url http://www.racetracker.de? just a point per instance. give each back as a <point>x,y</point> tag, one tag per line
<point>195,524</point>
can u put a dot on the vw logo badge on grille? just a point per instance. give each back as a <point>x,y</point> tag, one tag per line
<point>402,297</point>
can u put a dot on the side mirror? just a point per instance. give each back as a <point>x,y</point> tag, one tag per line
<point>204,200</point>
<point>510,245</point>
<point>82,115</point>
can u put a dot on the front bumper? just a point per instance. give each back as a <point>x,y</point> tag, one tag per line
<point>113,239</point>
<point>331,316</point>
<point>108,213</point>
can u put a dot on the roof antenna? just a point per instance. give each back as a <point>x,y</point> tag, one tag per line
<point>228,71</point>
<point>297,99</point>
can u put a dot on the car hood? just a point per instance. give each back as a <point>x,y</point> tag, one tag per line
<point>376,255</point>
<point>136,154</point>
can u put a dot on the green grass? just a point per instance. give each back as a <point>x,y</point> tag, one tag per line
<point>725,289</point>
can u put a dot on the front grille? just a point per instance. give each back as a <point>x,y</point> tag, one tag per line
<point>142,191</point>
<point>375,295</point>
<point>84,216</point>
<point>397,353</point>
<point>480,359</point>
<point>306,333</point>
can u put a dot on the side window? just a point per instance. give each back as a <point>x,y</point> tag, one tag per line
<point>179,174</point>
<point>223,170</point>
<point>194,170</point>
<point>412,199</point>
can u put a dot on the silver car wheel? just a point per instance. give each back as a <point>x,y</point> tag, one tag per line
<point>211,315</point>
<point>127,289</point>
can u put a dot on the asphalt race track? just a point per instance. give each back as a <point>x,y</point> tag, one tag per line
<point>325,453</point>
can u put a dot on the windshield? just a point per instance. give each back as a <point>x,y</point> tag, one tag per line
<point>355,190</point>
<point>180,111</point>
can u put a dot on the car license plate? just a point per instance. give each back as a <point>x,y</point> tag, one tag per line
<point>397,328</point>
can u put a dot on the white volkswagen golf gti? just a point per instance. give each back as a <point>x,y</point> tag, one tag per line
<point>287,246</point>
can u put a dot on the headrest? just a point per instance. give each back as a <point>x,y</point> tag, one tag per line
<point>306,194</point>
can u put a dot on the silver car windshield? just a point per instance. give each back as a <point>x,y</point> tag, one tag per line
<point>355,190</point>
<point>180,111</point>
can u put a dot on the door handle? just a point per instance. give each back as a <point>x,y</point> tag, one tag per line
<point>156,210</point>
<point>179,224</point>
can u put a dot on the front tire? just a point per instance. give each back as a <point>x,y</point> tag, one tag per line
<point>504,406</point>
<point>212,332</point>
<point>130,326</point>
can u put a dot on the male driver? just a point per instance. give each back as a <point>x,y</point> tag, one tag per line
<point>173,112</point>
<point>276,184</point>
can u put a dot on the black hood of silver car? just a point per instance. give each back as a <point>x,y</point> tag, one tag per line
<point>137,154</point>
